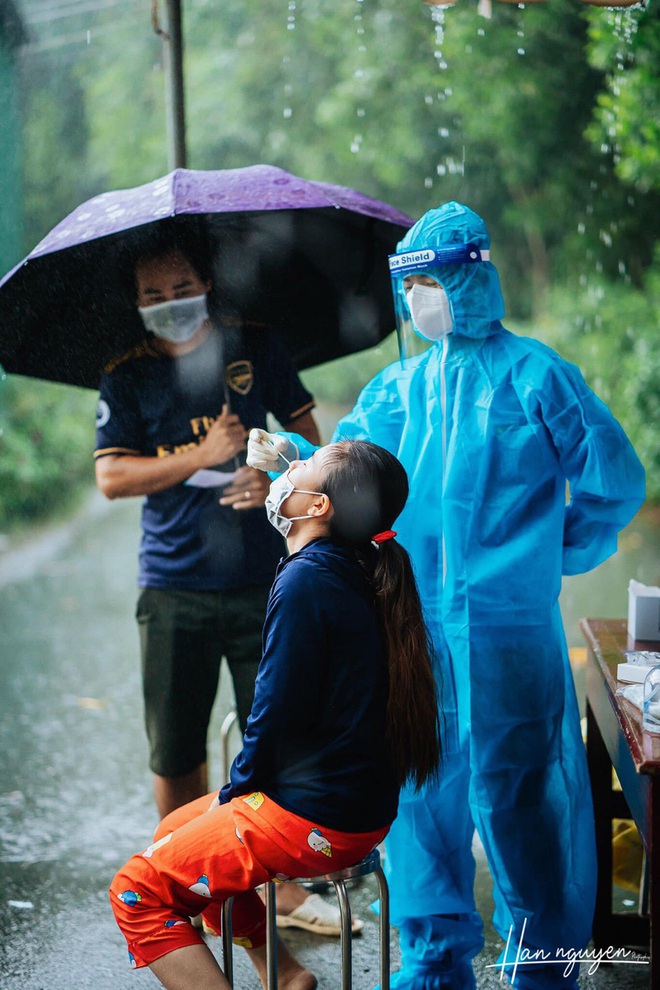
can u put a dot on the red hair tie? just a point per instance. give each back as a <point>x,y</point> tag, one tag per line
<point>387,534</point>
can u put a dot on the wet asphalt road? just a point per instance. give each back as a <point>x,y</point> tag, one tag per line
<point>75,792</point>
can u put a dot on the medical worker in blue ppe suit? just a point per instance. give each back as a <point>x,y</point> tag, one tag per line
<point>490,427</point>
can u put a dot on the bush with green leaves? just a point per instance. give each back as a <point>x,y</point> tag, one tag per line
<point>612,332</point>
<point>45,449</point>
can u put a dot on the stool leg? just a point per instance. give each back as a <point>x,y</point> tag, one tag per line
<point>227,945</point>
<point>271,935</point>
<point>384,929</point>
<point>230,720</point>
<point>346,935</point>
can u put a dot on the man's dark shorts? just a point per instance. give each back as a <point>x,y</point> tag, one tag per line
<point>183,637</point>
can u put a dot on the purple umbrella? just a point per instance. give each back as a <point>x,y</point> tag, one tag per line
<point>308,259</point>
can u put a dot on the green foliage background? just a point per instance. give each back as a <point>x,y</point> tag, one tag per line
<point>45,450</point>
<point>545,120</point>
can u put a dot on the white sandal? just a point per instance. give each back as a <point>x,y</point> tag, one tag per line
<point>316,915</point>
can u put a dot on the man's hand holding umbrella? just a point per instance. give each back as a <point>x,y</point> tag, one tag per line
<point>121,476</point>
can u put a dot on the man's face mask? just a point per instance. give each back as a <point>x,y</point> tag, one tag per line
<point>279,492</point>
<point>177,320</point>
<point>429,308</point>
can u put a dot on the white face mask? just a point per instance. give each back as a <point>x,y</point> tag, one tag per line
<point>279,492</point>
<point>177,320</point>
<point>430,311</point>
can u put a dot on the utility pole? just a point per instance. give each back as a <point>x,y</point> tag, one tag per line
<point>172,37</point>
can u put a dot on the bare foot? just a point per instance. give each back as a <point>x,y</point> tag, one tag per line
<point>295,977</point>
<point>290,974</point>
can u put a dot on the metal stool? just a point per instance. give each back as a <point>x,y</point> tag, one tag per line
<point>370,864</point>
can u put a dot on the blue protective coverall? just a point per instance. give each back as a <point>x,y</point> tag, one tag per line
<point>490,427</point>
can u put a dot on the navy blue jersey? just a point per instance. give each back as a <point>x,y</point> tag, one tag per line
<point>315,738</point>
<point>154,405</point>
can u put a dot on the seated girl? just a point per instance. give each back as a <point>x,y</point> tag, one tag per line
<point>344,713</point>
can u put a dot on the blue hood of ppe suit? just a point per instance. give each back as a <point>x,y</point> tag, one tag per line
<point>474,290</point>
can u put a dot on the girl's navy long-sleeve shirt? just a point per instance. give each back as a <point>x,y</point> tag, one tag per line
<point>315,739</point>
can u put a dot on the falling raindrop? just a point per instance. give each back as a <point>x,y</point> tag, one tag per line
<point>279,137</point>
<point>438,18</point>
<point>520,31</point>
<point>623,25</point>
<point>360,74</point>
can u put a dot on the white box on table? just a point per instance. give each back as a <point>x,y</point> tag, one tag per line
<point>643,611</point>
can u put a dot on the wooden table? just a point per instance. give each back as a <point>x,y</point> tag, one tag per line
<point>615,738</point>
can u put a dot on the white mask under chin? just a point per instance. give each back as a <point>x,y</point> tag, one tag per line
<point>430,311</point>
<point>278,493</point>
<point>177,320</point>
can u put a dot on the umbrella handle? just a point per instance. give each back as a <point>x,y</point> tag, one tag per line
<point>236,460</point>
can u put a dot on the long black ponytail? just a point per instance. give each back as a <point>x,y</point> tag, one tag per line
<point>368,488</point>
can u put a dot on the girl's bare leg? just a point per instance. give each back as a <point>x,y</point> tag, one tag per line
<point>192,967</point>
<point>290,974</point>
<point>290,896</point>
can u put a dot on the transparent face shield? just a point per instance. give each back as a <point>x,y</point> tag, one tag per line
<point>427,261</point>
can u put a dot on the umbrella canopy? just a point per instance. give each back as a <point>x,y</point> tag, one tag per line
<point>308,259</point>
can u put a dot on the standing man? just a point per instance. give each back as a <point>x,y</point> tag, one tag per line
<point>491,427</point>
<point>171,409</point>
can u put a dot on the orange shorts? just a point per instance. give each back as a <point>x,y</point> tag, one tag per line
<point>199,858</point>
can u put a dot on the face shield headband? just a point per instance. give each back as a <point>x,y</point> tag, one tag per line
<point>454,254</point>
<point>416,262</point>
